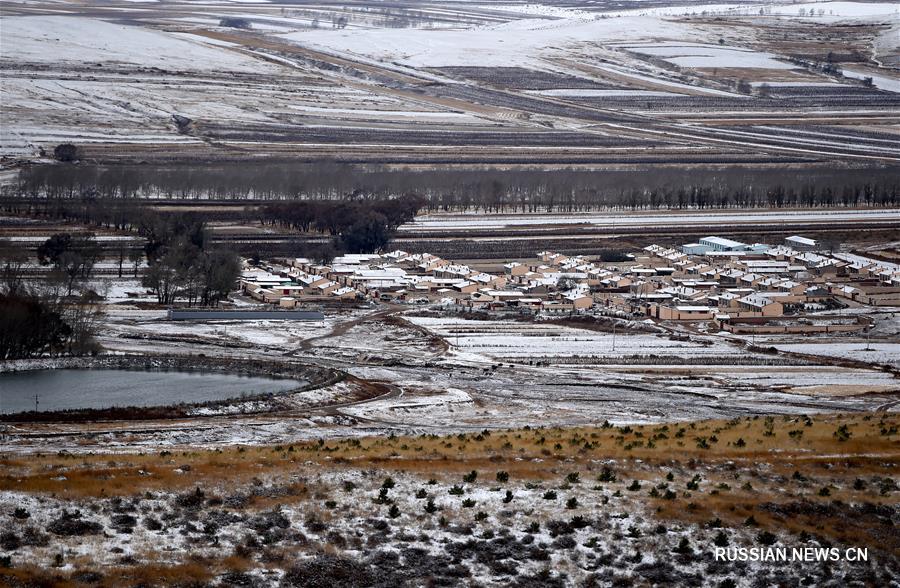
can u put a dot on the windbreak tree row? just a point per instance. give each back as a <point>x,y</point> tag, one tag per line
<point>491,190</point>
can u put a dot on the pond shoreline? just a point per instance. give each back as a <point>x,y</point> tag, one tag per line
<point>316,376</point>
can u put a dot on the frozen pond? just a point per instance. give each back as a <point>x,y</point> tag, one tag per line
<point>83,388</point>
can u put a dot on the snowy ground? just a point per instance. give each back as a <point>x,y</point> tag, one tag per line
<point>457,221</point>
<point>111,77</point>
<point>486,374</point>
<point>880,353</point>
<point>526,507</point>
<point>511,340</point>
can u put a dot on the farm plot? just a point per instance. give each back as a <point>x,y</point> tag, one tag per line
<point>438,222</point>
<point>89,81</point>
<point>418,136</point>
<point>528,342</point>
<point>519,78</point>
<point>65,39</point>
<point>522,43</point>
<point>710,56</point>
<point>884,353</point>
<point>807,379</point>
<point>148,331</point>
<point>671,102</point>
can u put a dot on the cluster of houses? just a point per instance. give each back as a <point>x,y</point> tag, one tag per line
<point>715,279</point>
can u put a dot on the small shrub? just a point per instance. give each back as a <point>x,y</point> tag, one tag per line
<point>65,152</point>
<point>842,434</point>
<point>684,547</point>
<point>70,524</point>
<point>579,522</point>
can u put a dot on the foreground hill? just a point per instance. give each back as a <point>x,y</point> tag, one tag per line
<point>601,505</point>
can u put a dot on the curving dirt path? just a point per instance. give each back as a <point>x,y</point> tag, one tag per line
<point>342,328</point>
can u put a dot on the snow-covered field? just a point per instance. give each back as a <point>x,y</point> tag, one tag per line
<point>127,327</point>
<point>836,11</point>
<point>524,341</point>
<point>59,39</point>
<point>695,55</point>
<point>311,80</point>
<point>519,43</point>
<point>475,220</point>
<point>874,352</point>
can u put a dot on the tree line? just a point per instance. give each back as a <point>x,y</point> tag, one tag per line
<point>356,226</point>
<point>182,264</point>
<point>54,316</point>
<point>362,226</point>
<point>60,312</point>
<point>458,189</point>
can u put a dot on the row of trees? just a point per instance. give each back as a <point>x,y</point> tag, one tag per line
<point>73,257</point>
<point>58,311</point>
<point>357,226</point>
<point>182,265</point>
<point>492,190</point>
<point>177,240</point>
<point>54,316</point>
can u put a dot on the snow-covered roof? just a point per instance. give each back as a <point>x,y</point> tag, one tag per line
<point>721,241</point>
<point>756,300</point>
<point>802,240</point>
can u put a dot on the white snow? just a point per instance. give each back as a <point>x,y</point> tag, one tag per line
<point>511,339</point>
<point>835,10</point>
<point>522,43</point>
<point>471,220</point>
<point>711,56</point>
<point>55,39</point>
<point>882,82</point>
<point>584,93</point>
<point>881,353</point>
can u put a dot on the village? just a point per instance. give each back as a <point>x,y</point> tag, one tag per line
<point>738,287</point>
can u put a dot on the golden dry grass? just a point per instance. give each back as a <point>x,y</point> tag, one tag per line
<point>535,453</point>
<point>768,453</point>
<point>187,574</point>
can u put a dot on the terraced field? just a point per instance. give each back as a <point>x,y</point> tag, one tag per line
<point>555,83</point>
